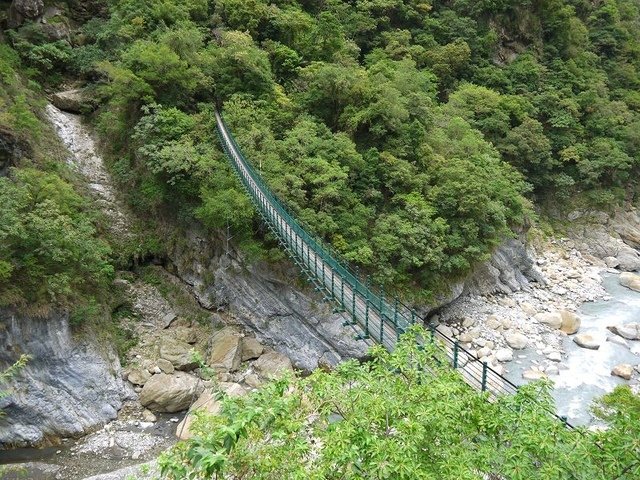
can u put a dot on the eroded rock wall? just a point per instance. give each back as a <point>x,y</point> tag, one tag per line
<point>282,314</point>
<point>69,386</point>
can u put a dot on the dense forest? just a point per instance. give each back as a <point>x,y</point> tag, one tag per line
<point>413,137</point>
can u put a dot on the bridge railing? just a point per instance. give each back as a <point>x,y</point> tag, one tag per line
<point>394,318</point>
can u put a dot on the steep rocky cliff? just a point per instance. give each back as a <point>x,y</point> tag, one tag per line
<point>70,385</point>
<point>266,299</point>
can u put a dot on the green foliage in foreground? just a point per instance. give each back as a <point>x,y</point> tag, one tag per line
<point>404,416</point>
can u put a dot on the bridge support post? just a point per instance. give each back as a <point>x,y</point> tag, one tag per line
<point>456,347</point>
<point>484,376</point>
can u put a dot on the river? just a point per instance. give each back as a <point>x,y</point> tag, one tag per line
<point>588,372</point>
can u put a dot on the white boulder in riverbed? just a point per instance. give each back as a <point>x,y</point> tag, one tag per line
<point>504,355</point>
<point>624,370</point>
<point>585,340</point>
<point>630,331</point>
<point>630,280</point>
<point>516,340</point>
<point>551,319</point>
<point>533,375</point>
<point>618,340</point>
<point>570,322</point>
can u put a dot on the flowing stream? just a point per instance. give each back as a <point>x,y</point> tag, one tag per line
<point>588,372</point>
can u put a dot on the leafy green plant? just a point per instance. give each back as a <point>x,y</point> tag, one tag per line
<point>402,415</point>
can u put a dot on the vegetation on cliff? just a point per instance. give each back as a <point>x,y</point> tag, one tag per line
<point>411,136</point>
<point>51,252</point>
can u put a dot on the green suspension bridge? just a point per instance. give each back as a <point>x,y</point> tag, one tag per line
<point>374,317</point>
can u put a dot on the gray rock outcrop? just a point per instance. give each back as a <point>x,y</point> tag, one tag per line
<point>509,270</point>
<point>612,238</point>
<point>69,387</point>
<point>12,149</point>
<point>73,101</point>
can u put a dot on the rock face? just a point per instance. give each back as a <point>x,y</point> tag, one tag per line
<point>510,269</point>
<point>170,393</point>
<point>630,331</point>
<point>69,387</point>
<point>296,322</point>
<point>630,280</point>
<point>611,238</point>
<point>11,150</point>
<point>21,10</point>
<point>585,340</point>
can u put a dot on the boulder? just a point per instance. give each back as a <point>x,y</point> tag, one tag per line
<point>165,366</point>
<point>618,340</point>
<point>251,348</point>
<point>445,330</point>
<point>516,340</point>
<point>226,350</point>
<point>554,357</point>
<point>629,260</point>
<point>272,364</point>
<point>552,320</point>
<point>630,331</point>
<point>252,380</point>
<point>585,340</point>
<point>484,352</point>
<point>624,370</point>
<point>533,375</point>
<point>528,308</point>
<point>148,416</point>
<point>205,403</point>
<point>611,262</point>
<point>504,355</point>
<point>73,101</point>
<point>178,353</point>
<point>170,393</point>
<point>570,322</point>
<point>139,376</point>
<point>630,280</point>
<point>233,389</point>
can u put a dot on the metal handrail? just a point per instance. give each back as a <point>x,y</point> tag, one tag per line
<point>373,317</point>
